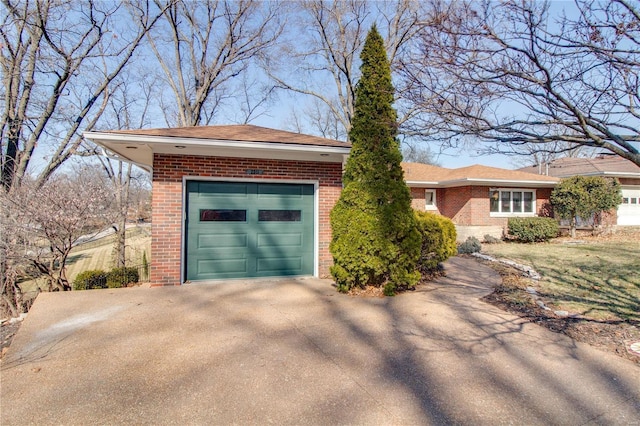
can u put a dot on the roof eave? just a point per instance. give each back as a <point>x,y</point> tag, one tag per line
<point>120,144</point>
<point>513,183</point>
<point>187,142</point>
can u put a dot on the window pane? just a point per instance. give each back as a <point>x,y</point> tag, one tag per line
<point>223,215</point>
<point>494,204</point>
<point>634,201</point>
<point>528,202</point>
<point>505,205</point>
<point>517,202</point>
<point>279,215</point>
<point>429,198</point>
<point>625,201</point>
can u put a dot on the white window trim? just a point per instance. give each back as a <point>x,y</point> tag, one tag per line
<point>433,206</point>
<point>534,206</point>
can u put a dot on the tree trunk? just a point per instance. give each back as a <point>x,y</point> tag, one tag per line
<point>120,245</point>
<point>9,163</point>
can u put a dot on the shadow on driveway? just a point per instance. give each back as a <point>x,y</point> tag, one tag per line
<point>296,352</point>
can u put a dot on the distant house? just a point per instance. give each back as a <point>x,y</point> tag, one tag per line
<point>607,165</point>
<point>478,199</point>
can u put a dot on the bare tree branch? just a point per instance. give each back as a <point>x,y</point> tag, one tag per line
<point>509,73</point>
<point>210,44</point>
<point>321,59</point>
<point>58,59</point>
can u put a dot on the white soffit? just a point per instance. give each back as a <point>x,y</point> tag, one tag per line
<point>139,149</point>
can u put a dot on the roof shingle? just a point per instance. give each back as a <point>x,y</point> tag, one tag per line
<point>240,132</point>
<point>416,172</point>
<point>603,165</point>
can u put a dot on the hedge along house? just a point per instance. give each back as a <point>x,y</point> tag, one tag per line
<point>235,201</point>
<point>478,199</point>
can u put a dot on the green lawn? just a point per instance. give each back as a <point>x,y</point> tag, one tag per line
<point>99,255</point>
<point>599,279</point>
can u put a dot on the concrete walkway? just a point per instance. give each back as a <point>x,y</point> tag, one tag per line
<point>297,352</point>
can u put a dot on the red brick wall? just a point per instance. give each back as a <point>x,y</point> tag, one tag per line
<point>629,181</point>
<point>469,205</point>
<point>418,199</point>
<point>168,171</point>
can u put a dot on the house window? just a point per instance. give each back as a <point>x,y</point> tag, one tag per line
<point>430,199</point>
<point>512,202</point>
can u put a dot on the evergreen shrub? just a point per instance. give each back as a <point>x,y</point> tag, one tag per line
<point>375,240</point>
<point>88,280</point>
<point>533,229</point>
<point>490,239</point>
<point>438,240</point>
<point>121,277</point>
<point>471,245</point>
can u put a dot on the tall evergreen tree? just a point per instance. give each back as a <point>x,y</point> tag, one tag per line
<point>375,238</point>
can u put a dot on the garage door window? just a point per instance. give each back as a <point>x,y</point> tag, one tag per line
<point>223,215</point>
<point>279,215</point>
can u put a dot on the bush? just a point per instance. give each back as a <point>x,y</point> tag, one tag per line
<point>438,240</point>
<point>88,280</point>
<point>121,277</point>
<point>490,239</point>
<point>375,241</point>
<point>471,245</point>
<point>533,229</point>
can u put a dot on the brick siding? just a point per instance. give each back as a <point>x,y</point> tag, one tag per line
<point>469,205</point>
<point>168,171</point>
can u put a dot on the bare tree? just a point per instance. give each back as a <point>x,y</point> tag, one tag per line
<point>46,221</point>
<point>543,155</point>
<point>419,153</point>
<point>253,99</point>
<point>58,60</point>
<point>201,46</point>
<point>128,108</point>
<point>514,74</point>
<point>320,60</point>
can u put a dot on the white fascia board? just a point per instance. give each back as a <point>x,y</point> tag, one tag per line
<point>480,182</point>
<point>422,184</point>
<point>497,182</point>
<point>187,142</point>
<point>616,174</point>
<point>608,174</point>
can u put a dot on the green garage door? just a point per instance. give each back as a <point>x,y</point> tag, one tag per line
<point>238,230</point>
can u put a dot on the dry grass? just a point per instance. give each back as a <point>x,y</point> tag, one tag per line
<point>99,255</point>
<point>596,277</point>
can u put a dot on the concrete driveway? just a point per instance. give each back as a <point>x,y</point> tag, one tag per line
<point>296,352</point>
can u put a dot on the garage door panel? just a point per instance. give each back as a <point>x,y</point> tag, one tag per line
<point>214,241</point>
<point>268,230</point>
<point>222,268</point>
<point>281,265</point>
<point>280,192</point>
<point>267,240</point>
<point>629,210</point>
<point>222,190</point>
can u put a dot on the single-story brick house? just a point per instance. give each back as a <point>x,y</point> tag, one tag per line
<point>245,201</point>
<point>478,199</point>
<point>606,165</point>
